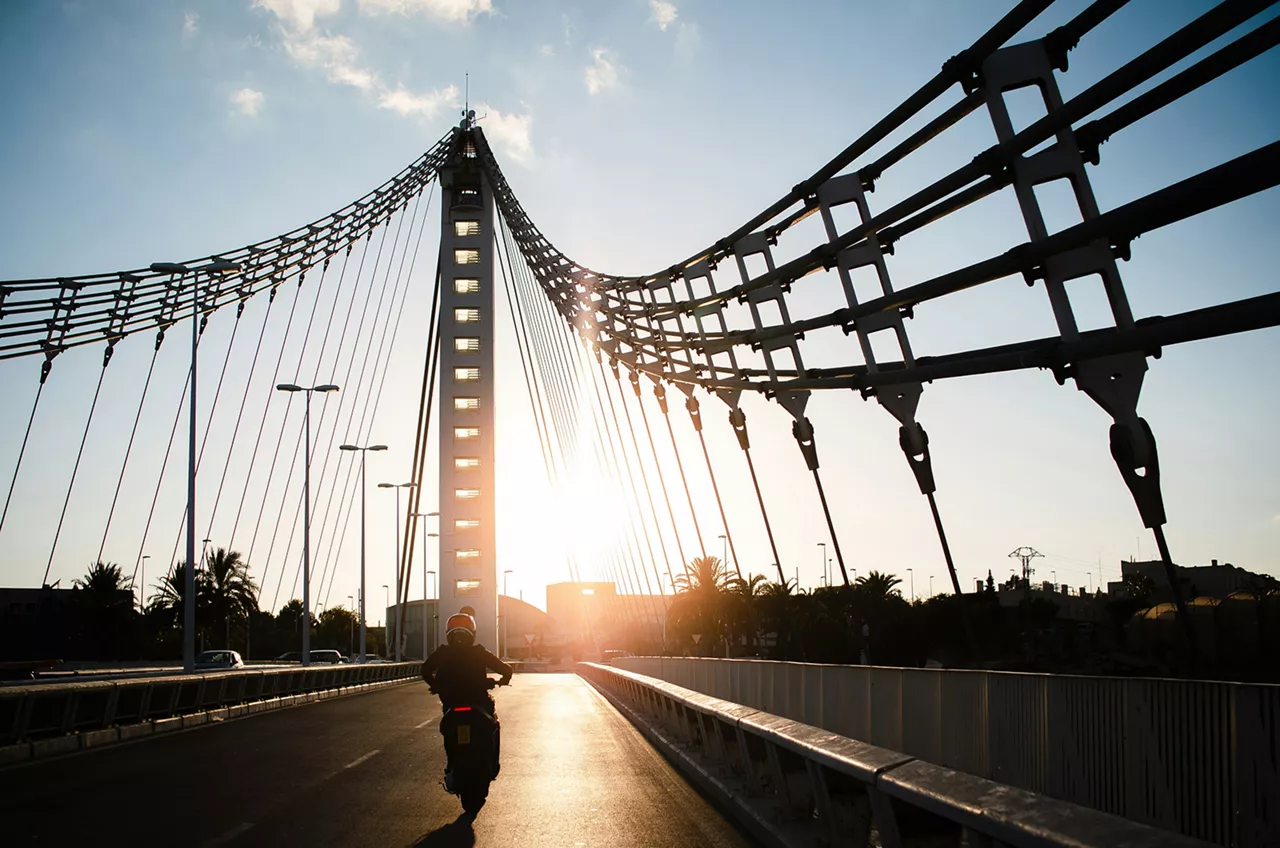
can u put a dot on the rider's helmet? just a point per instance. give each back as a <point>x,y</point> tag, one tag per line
<point>461,629</point>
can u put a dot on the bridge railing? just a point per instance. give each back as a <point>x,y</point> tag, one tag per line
<point>57,709</point>
<point>816,787</point>
<point>1200,758</point>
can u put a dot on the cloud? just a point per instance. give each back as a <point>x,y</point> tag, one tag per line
<point>602,74</point>
<point>513,133</point>
<point>247,101</point>
<point>190,24</point>
<point>664,13</point>
<point>337,54</point>
<point>547,50</point>
<point>299,15</point>
<point>453,11</point>
<point>428,105</point>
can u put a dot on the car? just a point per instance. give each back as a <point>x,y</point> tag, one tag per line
<point>214,660</point>
<point>318,657</point>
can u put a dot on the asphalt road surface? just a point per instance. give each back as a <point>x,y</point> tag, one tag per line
<point>366,770</point>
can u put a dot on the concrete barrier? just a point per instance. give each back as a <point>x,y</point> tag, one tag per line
<point>1200,758</point>
<point>38,713</point>
<point>795,784</point>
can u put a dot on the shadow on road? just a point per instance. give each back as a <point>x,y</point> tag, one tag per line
<point>455,834</point>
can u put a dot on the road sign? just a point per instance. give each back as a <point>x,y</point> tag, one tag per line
<point>697,637</point>
<point>529,637</point>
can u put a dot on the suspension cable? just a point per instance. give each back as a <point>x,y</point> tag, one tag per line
<point>244,399</point>
<point>653,449</point>
<point>660,393</point>
<point>106,359</point>
<point>115,497</point>
<point>738,420</point>
<point>382,381</point>
<point>691,404</point>
<point>22,451</point>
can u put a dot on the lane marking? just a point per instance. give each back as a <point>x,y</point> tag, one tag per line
<point>229,835</point>
<point>360,760</point>
<point>424,724</point>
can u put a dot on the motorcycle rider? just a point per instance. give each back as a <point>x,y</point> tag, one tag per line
<point>457,671</point>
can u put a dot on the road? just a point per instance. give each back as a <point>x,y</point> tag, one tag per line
<point>365,770</point>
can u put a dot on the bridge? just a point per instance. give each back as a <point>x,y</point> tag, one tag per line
<point>236,459</point>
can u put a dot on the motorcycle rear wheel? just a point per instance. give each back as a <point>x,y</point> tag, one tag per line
<point>473,798</point>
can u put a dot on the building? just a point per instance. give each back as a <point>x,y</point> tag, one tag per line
<point>516,621</point>
<point>596,614</point>
<point>1213,580</point>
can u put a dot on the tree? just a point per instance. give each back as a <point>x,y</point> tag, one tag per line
<point>336,628</point>
<point>698,608</point>
<point>105,606</point>
<point>878,586</point>
<point>169,598</point>
<point>103,581</point>
<point>231,593</point>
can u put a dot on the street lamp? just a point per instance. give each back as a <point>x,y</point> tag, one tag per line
<point>424,578</point>
<point>351,648</point>
<point>174,269</point>
<point>505,650</point>
<point>142,593</point>
<point>364,642</point>
<point>823,566</point>
<point>386,597</point>
<point>724,550</point>
<point>434,616</point>
<point>306,512</point>
<point>400,593</point>
<point>912,573</point>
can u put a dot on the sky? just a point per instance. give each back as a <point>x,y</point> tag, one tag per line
<point>635,133</point>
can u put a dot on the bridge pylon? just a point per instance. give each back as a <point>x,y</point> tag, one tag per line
<point>467,549</point>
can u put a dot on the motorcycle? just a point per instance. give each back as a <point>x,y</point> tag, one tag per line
<point>471,744</point>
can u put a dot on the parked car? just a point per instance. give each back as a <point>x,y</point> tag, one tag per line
<point>318,657</point>
<point>211,660</point>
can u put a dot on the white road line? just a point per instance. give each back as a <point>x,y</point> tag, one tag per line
<point>229,835</point>
<point>360,760</point>
<point>424,724</point>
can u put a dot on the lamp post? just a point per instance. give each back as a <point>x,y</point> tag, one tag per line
<point>142,593</point>
<point>306,512</point>
<point>931,585</point>
<point>912,573</point>
<point>351,648</point>
<point>218,266</point>
<point>364,642</point>
<point>434,616</point>
<point>724,550</point>
<point>400,593</point>
<point>424,578</point>
<point>505,650</point>
<point>823,566</point>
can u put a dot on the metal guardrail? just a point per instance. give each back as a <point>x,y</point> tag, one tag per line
<point>833,790</point>
<point>43,711</point>
<point>1200,758</point>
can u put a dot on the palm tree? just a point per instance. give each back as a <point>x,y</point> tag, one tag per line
<point>703,575</point>
<point>103,579</point>
<point>169,597</point>
<point>232,594</point>
<point>878,586</point>
<point>700,592</point>
<point>744,607</point>
<point>106,601</point>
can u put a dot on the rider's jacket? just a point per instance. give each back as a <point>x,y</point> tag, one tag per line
<point>457,674</point>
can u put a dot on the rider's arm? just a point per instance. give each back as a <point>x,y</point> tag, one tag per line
<point>496,665</point>
<point>430,667</point>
